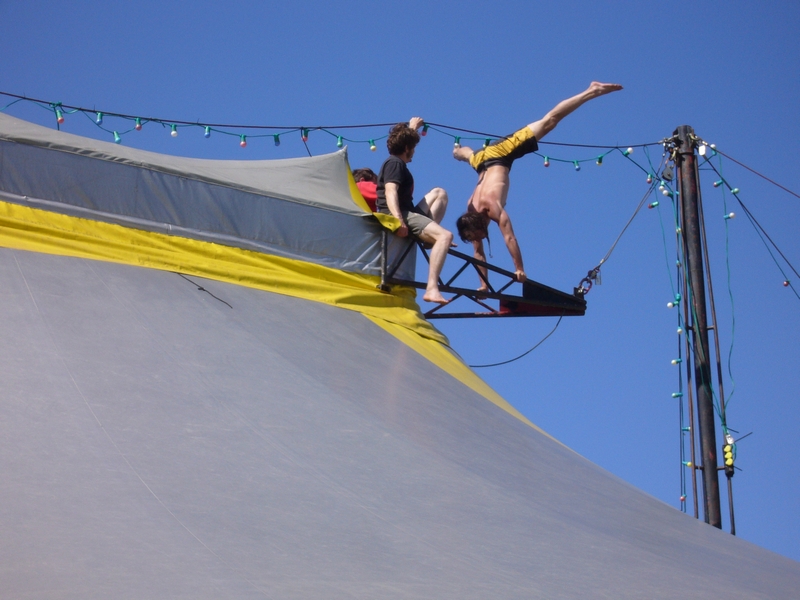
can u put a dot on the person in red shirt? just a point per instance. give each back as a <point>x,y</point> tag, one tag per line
<point>367,183</point>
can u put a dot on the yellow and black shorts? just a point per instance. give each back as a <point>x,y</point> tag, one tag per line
<point>505,151</point>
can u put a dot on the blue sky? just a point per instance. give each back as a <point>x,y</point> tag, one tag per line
<point>602,383</point>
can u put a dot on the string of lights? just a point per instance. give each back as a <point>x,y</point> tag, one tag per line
<point>243,132</point>
<point>730,290</point>
<point>759,230</point>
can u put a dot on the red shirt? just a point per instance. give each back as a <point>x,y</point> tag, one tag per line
<point>369,190</point>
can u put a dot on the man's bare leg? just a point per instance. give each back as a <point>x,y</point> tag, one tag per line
<point>545,125</point>
<point>441,239</point>
<point>434,204</point>
<point>463,153</point>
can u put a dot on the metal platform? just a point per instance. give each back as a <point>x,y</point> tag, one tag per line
<point>537,299</point>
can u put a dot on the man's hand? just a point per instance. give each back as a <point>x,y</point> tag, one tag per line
<point>415,123</point>
<point>402,231</point>
<point>520,276</point>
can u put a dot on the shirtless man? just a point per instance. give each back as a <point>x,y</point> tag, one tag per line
<point>493,164</point>
<point>395,194</point>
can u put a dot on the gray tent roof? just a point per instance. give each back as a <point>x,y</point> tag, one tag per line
<point>317,181</point>
<point>299,208</point>
<point>159,441</point>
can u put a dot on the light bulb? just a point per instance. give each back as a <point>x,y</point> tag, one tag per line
<point>99,119</point>
<point>243,141</point>
<point>138,124</point>
<point>117,139</point>
<point>372,145</point>
<point>207,132</point>
<point>174,132</point>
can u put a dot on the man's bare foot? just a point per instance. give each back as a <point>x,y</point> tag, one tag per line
<point>600,89</point>
<point>434,296</point>
<point>463,153</point>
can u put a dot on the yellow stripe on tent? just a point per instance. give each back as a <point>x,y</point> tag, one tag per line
<point>37,230</point>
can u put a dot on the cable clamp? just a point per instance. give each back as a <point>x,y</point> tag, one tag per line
<point>587,282</point>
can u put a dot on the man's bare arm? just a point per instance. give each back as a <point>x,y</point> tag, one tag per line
<point>478,252</point>
<point>393,203</point>
<point>504,223</point>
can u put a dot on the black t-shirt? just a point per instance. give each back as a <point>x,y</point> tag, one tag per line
<point>394,170</point>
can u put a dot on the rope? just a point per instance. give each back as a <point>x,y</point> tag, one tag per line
<point>592,275</point>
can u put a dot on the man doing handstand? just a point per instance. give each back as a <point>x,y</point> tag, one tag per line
<point>493,164</point>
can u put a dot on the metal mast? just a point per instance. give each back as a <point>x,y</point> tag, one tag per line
<point>689,203</point>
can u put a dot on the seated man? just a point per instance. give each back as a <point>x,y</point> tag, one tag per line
<point>493,165</point>
<point>396,197</point>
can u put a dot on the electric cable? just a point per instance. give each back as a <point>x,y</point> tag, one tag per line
<point>505,362</point>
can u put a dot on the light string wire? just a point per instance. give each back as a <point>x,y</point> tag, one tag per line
<point>776,184</point>
<point>676,293</point>
<point>730,296</point>
<point>275,131</point>
<point>762,234</point>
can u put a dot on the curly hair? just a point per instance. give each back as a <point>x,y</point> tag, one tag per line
<point>401,137</point>
<point>472,226</point>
